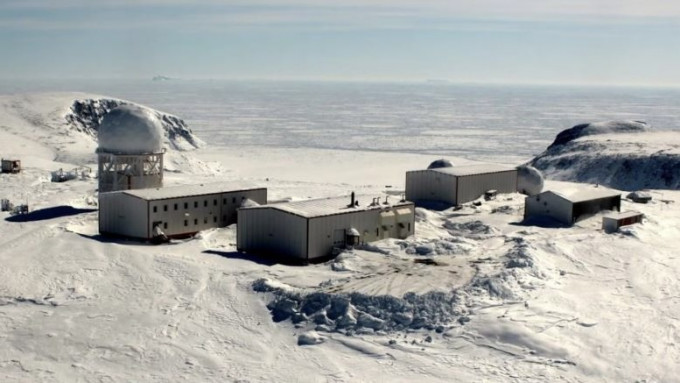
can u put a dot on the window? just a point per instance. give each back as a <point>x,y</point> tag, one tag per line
<point>195,221</point>
<point>214,202</point>
<point>215,219</point>
<point>205,203</point>
<point>155,209</point>
<point>195,204</point>
<point>186,222</point>
<point>165,225</point>
<point>165,207</point>
<point>175,206</point>
<point>186,205</point>
<point>224,218</point>
<point>225,201</point>
<point>409,226</point>
<point>233,200</point>
<point>377,232</point>
<point>205,220</point>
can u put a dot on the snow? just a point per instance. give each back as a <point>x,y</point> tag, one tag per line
<point>474,296</point>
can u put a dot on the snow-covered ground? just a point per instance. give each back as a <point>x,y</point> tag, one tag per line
<point>475,296</point>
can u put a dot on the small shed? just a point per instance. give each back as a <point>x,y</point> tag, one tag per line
<point>613,222</point>
<point>177,211</point>
<point>459,184</point>
<point>312,229</point>
<point>571,205</point>
<point>11,166</point>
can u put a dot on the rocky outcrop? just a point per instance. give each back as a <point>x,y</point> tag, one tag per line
<point>620,155</point>
<point>86,115</point>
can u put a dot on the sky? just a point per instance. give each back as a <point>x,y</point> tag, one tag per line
<point>599,42</point>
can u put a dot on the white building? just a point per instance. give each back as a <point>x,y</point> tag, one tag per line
<point>311,229</point>
<point>177,211</point>
<point>130,151</point>
<point>571,204</point>
<point>459,184</point>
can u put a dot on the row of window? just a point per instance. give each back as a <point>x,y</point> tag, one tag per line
<point>205,220</point>
<point>186,204</point>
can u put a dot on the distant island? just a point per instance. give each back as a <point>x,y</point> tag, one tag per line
<point>161,78</point>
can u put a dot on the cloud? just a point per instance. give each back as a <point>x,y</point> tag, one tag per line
<point>323,14</point>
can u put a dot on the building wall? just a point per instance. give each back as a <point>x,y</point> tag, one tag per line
<point>611,224</point>
<point>472,187</point>
<point>122,214</point>
<point>231,201</point>
<point>548,204</point>
<point>272,231</point>
<point>585,209</point>
<point>190,214</point>
<point>328,232</point>
<point>427,185</point>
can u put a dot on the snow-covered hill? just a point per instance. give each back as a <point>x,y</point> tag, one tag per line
<point>85,115</point>
<point>625,155</point>
<point>62,127</point>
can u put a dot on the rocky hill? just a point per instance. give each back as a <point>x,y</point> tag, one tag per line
<point>625,155</point>
<point>85,115</point>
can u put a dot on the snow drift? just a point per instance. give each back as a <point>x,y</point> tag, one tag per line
<point>620,155</point>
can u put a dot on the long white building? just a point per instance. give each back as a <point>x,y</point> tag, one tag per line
<point>456,185</point>
<point>176,211</point>
<point>311,229</point>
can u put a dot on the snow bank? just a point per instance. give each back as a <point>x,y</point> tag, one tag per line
<point>519,272</point>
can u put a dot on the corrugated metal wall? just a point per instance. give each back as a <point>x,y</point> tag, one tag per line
<point>122,214</point>
<point>186,215</point>
<point>372,225</point>
<point>268,230</point>
<point>472,187</point>
<point>231,201</point>
<point>547,204</point>
<point>427,185</point>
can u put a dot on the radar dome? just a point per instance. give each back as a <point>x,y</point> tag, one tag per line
<point>441,163</point>
<point>529,180</point>
<point>130,129</point>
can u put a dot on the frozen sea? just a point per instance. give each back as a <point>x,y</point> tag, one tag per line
<point>493,123</point>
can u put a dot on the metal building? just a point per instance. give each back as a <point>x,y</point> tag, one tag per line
<point>176,211</point>
<point>613,222</point>
<point>570,205</point>
<point>130,151</point>
<point>459,184</point>
<point>311,229</point>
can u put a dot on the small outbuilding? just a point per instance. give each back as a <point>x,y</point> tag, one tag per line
<point>571,205</point>
<point>11,166</point>
<point>177,211</point>
<point>312,229</point>
<point>613,222</point>
<point>456,185</point>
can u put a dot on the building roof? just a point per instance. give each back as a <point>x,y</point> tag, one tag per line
<point>585,193</point>
<point>468,170</point>
<point>338,205</point>
<point>623,215</point>
<point>190,190</point>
